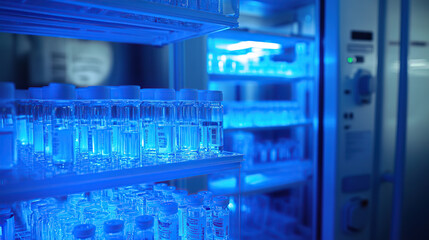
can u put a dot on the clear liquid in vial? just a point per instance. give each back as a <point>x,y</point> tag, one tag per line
<point>7,148</point>
<point>62,147</point>
<point>189,142</point>
<point>131,148</point>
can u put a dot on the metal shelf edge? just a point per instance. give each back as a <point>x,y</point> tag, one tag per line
<point>69,184</point>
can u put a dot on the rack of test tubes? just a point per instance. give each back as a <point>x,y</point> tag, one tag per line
<point>139,212</point>
<point>58,129</point>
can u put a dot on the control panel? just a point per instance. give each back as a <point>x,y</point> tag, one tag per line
<point>356,117</point>
<point>350,83</point>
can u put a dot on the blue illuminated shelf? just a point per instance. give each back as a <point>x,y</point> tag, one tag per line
<point>256,78</point>
<point>253,35</point>
<point>263,178</point>
<point>268,128</point>
<point>69,184</point>
<point>129,21</point>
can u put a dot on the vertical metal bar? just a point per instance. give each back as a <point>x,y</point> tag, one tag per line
<point>329,84</point>
<point>317,115</point>
<point>376,179</point>
<point>401,131</point>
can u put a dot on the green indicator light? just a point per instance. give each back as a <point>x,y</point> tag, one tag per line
<point>350,60</point>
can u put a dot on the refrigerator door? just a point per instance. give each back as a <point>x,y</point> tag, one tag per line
<point>415,182</point>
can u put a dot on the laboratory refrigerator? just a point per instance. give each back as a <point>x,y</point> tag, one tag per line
<point>305,101</point>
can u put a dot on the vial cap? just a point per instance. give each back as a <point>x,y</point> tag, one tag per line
<point>195,200</point>
<point>180,193</point>
<point>62,91</point>
<point>222,201</point>
<point>45,92</point>
<point>146,186</point>
<point>5,209</point>
<point>169,208</point>
<point>170,188</point>
<point>43,206</point>
<point>202,95</point>
<point>207,195</point>
<point>82,93</point>
<point>129,92</point>
<point>84,231</point>
<point>214,96</point>
<point>35,93</point>
<point>147,94</point>
<point>98,92</point>
<point>187,94</point>
<point>114,92</point>
<point>21,94</point>
<point>7,90</point>
<point>165,94</point>
<point>160,186</point>
<point>113,226</point>
<point>144,221</point>
<point>35,204</point>
<point>6,213</point>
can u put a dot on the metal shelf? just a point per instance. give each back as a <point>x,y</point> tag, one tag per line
<point>254,35</point>
<point>111,20</point>
<point>255,78</point>
<point>265,178</point>
<point>68,184</point>
<point>267,128</point>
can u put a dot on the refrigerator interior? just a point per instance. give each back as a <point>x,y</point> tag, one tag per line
<point>267,72</point>
<point>98,43</point>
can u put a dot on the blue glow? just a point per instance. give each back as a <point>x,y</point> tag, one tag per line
<point>63,138</point>
<point>255,179</point>
<point>257,58</point>
<point>251,44</point>
<point>214,126</point>
<point>224,183</point>
<point>262,114</point>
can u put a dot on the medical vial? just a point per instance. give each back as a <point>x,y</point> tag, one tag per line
<point>187,124</point>
<point>180,198</point>
<point>63,125</point>
<point>143,229</point>
<point>214,122</point>
<point>165,120</point>
<point>7,126</point>
<point>147,119</point>
<point>220,218</point>
<point>208,209</point>
<point>130,129</point>
<point>196,219</point>
<point>82,138</point>
<point>100,131</point>
<point>36,95</point>
<point>152,205</point>
<point>168,228</point>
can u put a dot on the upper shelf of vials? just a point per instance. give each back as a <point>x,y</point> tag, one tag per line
<point>155,22</point>
<point>74,183</point>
